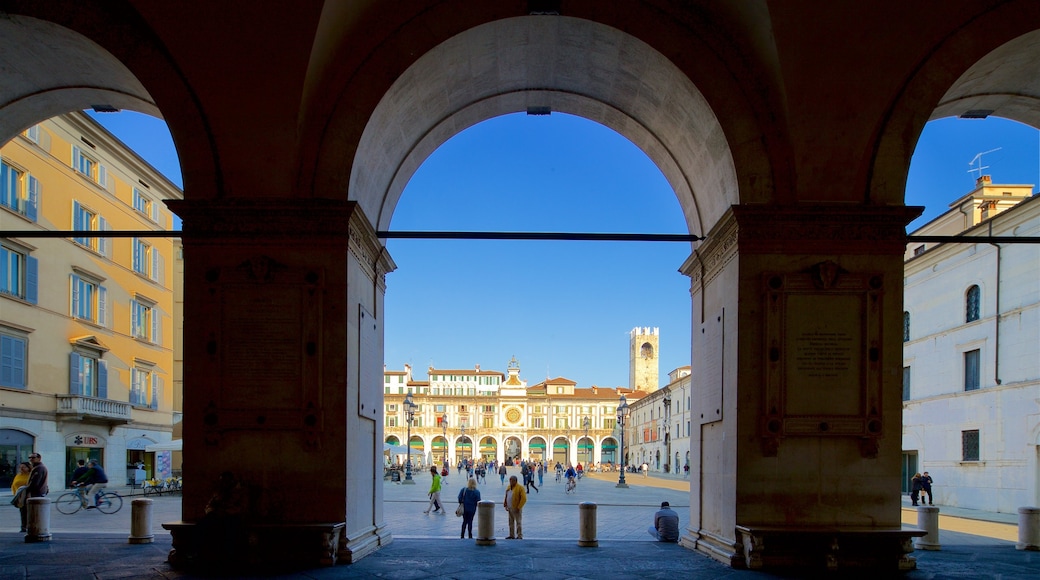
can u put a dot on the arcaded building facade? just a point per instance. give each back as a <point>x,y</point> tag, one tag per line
<point>298,124</point>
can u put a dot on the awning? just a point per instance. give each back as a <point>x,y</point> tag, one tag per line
<point>538,445</point>
<point>174,445</point>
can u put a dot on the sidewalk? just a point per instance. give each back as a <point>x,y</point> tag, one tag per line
<point>92,545</point>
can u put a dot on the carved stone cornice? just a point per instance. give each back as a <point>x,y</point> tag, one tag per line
<point>717,250</point>
<point>368,250</point>
<point>823,229</point>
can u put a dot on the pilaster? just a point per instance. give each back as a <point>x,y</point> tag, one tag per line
<point>796,360</point>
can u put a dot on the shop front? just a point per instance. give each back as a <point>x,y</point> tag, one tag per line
<point>86,446</point>
<point>15,447</point>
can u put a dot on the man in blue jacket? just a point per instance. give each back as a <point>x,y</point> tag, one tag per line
<point>97,480</point>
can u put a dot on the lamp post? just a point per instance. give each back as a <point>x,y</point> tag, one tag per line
<point>409,409</point>
<point>444,433</point>
<point>622,414</point>
<point>462,440</point>
<point>585,423</point>
<point>667,439</point>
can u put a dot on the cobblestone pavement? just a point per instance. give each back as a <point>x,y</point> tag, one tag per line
<point>93,545</point>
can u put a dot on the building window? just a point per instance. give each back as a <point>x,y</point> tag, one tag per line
<point>609,424</point>
<point>12,361</point>
<point>89,167</point>
<point>145,322</point>
<point>19,274</point>
<point>538,422</point>
<point>906,326</point>
<point>561,423</point>
<point>919,250</point>
<point>19,191</point>
<point>147,260</point>
<point>970,445</point>
<point>89,299</point>
<point>88,375</point>
<point>906,383</point>
<point>971,370</point>
<point>391,420</point>
<point>86,220</point>
<point>145,387</point>
<point>145,206</point>
<point>488,422</point>
<point>971,304</point>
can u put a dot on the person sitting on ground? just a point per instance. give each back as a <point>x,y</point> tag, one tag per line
<point>666,524</point>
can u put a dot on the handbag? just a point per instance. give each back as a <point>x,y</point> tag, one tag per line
<point>459,510</point>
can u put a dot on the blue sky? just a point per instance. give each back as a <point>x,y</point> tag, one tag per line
<point>566,308</point>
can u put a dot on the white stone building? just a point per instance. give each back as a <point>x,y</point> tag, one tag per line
<point>971,356</point>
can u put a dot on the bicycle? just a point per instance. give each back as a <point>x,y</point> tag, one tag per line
<point>71,502</point>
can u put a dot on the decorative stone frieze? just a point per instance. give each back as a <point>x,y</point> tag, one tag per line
<point>823,229</point>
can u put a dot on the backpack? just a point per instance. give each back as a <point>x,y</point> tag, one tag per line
<point>444,472</point>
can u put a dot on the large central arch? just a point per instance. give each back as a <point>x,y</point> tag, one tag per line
<point>539,65</point>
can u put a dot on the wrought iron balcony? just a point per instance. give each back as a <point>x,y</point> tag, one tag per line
<point>93,410</point>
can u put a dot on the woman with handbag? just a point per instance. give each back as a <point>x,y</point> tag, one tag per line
<point>469,496</point>
<point>20,491</point>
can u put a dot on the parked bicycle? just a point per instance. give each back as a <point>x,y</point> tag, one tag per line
<point>71,502</point>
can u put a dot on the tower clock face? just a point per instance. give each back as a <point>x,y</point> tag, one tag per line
<point>513,415</point>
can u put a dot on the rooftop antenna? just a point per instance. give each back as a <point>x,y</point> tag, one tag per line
<point>978,159</point>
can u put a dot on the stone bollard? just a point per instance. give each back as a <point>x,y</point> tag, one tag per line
<point>485,523</point>
<point>39,520</point>
<point>587,525</point>
<point>1028,529</point>
<point>141,522</point>
<point>928,520</point>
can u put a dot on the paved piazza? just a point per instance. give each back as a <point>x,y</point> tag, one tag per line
<point>93,545</point>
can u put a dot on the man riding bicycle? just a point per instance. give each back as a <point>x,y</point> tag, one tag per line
<point>97,480</point>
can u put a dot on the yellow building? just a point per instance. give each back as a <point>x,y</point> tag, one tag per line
<point>86,323</point>
<point>475,413</point>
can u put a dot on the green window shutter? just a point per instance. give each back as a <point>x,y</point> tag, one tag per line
<point>32,197</point>
<point>32,278</point>
<point>102,379</point>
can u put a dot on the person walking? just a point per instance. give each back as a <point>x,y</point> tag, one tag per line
<point>926,488</point>
<point>502,473</point>
<point>20,490</point>
<point>435,493</point>
<point>541,472</point>
<point>666,524</point>
<point>469,496</point>
<point>915,488</point>
<point>645,469</point>
<point>514,502</point>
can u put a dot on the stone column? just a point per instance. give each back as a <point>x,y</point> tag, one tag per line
<point>283,343</point>
<point>141,522</point>
<point>587,537</point>
<point>797,358</point>
<point>1028,528</point>
<point>928,520</point>
<point>38,520</point>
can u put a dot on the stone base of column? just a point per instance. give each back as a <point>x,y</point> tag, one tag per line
<point>828,548</point>
<point>362,543</point>
<point>253,546</point>
<point>713,546</point>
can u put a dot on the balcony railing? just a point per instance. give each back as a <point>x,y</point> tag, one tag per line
<point>91,408</point>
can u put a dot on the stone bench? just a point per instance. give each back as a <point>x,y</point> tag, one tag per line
<point>259,544</point>
<point>829,547</point>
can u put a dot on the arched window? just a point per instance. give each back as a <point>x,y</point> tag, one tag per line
<point>971,304</point>
<point>906,326</point>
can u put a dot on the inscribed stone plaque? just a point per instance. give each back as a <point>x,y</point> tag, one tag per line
<point>263,351</point>
<point>370,373</point>
<point>825,354</point>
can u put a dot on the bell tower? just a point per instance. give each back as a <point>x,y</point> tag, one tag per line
<point>643,364</point>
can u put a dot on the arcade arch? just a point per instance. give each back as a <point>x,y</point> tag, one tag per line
<point>753,148</point>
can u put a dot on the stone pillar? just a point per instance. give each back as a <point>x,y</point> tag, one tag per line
<point>485,523</point>
<point>797,359</point>
<point>141,522</point>
<point>38,521</point>
<point>928,520</point>
<point>587,525</point>
<point>1028,529</point>
<point>283,343</point>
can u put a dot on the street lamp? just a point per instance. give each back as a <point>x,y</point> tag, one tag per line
<point>667,439</point>
<point>585,423</point>
<point>409,409</point>
<point>622,414</point>
<point>444,433</point>
<point>462,440</point>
